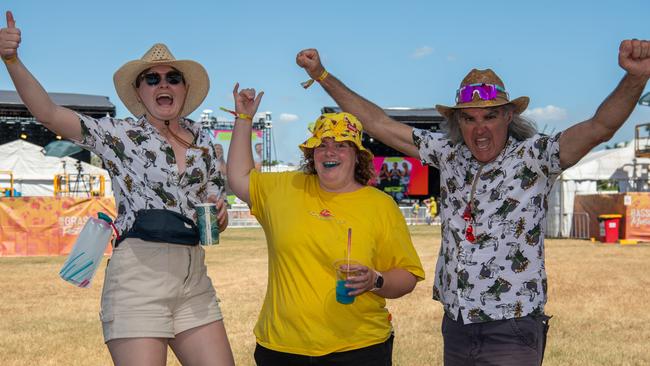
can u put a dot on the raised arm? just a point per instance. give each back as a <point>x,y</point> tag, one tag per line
<point>59,120</point>
<point>375,121</point>
<point>578,140</point>
<point>240,154</point>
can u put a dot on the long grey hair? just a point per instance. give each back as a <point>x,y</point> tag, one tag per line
<point>520,128</point>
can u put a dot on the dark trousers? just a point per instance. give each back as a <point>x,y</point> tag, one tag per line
<point>375,355</point>
<point>516,342</point>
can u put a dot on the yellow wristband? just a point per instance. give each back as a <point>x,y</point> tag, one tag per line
<point>308,83</point>
<point>9,60</point>
<point>323,75</point>
<point>238,115</point>
<point>245,116</point>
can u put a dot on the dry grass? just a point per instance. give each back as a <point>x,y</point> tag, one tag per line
<point>598,295</point>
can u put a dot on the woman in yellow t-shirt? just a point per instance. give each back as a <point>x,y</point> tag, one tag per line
<point>309,217</point>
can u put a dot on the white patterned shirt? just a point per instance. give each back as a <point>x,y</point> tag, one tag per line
<point>501,274</point>
<point>143,168</point>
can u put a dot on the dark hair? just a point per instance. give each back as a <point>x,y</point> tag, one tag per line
<point>364,170</point>
<point>520,128</point>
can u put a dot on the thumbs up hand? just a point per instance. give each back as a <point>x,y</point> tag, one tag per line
<point>9,39</point>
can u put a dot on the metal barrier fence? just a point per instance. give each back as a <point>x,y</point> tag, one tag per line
<point>241,217</point>
<point>569,225</point>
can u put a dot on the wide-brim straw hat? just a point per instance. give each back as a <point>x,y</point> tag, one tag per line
<point>197,82</point>
<point>486,76</point>
<point>339,126</point>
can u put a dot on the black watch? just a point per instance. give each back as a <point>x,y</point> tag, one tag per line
<point>379,282</point>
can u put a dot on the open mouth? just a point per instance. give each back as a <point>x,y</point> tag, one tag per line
<point>482,143</point>
<point>164,99</point>
<point>330,164</point>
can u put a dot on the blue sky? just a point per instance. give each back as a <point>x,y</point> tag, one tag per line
<point>563,54</point>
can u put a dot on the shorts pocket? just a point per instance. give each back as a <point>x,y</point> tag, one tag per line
<point>106,312</point>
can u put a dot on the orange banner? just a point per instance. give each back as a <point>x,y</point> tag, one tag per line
<point>633,206</point>
<point>46,225</point>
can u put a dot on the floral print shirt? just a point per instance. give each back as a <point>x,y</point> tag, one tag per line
<point>501,274</point>
<point>143,169</point>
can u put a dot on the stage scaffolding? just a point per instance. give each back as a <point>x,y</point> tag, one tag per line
<point>262,123</point>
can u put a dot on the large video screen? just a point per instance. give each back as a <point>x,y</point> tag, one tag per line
<point>401,177</point>
<point>221,140</point>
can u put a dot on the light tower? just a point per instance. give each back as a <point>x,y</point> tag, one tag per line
<point>265,124</point>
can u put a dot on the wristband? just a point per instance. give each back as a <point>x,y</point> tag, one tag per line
<point>308,83</point>
<point>238,115</point>
<point>9,59</point>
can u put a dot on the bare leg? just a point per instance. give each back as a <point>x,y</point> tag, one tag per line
<point>204,345</point>
<point>138,351</point>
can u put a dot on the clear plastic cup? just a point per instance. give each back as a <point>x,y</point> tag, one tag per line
<point>345,268</point>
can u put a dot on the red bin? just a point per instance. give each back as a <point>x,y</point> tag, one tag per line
<point>609,227</point>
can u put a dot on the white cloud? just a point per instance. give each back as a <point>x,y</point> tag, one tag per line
<point>288,117</point>
<point>550,113</point>
<point>422,51</point>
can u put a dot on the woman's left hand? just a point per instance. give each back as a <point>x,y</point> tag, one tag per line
<point>246,100</point>
<point>222,211</point>
<point>363,281</point>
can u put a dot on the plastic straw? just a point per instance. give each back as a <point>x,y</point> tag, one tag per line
<point>349,246</point>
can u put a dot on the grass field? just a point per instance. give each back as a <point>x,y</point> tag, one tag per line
<point>599,296</point>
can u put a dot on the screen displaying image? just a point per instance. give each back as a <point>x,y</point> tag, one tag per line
<point>401,177</point>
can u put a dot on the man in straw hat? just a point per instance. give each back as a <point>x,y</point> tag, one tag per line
<point>156,293</point>
<point>496,173</point>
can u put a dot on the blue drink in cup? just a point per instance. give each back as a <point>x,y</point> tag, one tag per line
<point>206,220</point>
<point>344,269</point>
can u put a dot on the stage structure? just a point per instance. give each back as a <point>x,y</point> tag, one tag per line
<point>405,178</point>
<point>16,122</point>
<point>262,135</point>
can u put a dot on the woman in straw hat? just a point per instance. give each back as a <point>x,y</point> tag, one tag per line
<point>311,218</point>
<point>155,293</point>
<point>496,173</point>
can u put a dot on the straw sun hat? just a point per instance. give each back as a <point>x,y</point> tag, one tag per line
<point>196,78</point>
<point>484,77</point>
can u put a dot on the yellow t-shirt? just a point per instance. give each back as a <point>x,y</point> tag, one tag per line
<point>433,207</point>
<point>306,231</point>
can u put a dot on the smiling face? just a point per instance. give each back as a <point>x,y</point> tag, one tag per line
<point>163,101</point>
<point>334,163</point>
<point>485,131</point>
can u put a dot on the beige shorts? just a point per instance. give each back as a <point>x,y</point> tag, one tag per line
<point>156,290</point>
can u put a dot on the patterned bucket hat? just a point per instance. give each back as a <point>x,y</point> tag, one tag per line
<point>197,82</point>
<point>482,89</point>
<point>339,126</point>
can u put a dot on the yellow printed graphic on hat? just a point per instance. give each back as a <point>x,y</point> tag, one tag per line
<point>339,126</point>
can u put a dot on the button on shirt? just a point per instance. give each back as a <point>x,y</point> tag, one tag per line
<point>143,168</point>
<point>501,274</point>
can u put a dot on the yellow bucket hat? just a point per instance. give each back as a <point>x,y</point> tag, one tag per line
<point>339,126</point>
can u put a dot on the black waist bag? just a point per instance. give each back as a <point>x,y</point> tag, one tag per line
<point>163,226</point>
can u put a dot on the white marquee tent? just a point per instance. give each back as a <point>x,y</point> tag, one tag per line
<point>617,164</point>
<point>34,172</point>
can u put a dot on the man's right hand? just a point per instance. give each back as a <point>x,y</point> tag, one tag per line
<point>309,60</point>
<point>9,38</point>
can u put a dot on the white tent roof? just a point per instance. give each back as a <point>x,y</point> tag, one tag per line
<point>606,164</point>
<point>33,171</point>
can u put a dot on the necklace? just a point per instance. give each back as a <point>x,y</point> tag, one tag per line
<point>468,214</point>
<point>180,140</point>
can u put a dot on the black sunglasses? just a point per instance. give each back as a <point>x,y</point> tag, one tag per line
<point>173,77</point>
